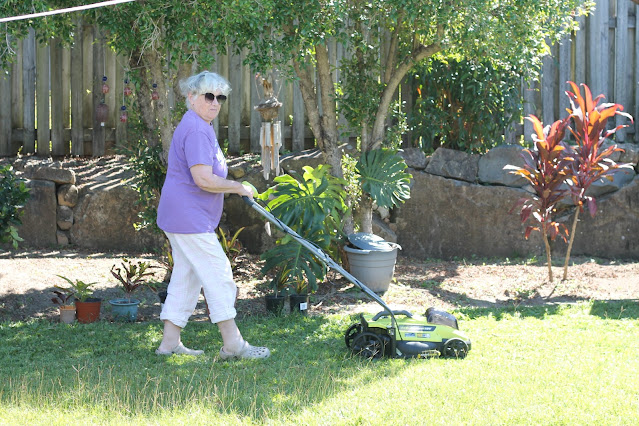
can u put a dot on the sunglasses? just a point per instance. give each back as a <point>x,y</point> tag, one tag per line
<point>210,97</point>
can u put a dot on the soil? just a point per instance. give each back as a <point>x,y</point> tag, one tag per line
<point>27,278</point>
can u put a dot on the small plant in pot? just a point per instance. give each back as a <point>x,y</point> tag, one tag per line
<point>132,276</point>
<point>299,300</point>
<point>64,299</point>
<point>87,308</point>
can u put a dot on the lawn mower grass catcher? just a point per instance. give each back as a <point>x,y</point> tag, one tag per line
<point>394,334</point>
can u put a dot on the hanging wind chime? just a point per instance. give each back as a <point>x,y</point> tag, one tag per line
<point>126,92</point>
<point>271,130</point>
<point>102,111</point>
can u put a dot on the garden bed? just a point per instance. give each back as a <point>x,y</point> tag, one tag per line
<point>27,278</point>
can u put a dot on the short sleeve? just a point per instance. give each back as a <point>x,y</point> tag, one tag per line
<point>199,149</point>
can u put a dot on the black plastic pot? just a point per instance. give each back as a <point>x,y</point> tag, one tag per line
<point>275,303</point>
<point>299,303</point>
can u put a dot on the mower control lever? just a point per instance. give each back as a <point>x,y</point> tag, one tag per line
<point>387,313</point>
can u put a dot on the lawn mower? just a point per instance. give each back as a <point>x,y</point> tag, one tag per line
<point>394,334</point>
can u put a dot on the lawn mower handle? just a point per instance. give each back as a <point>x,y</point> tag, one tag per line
<point>323,257</point>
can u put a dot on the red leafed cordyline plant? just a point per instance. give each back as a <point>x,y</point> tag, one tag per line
<point>592,159</point>
<point>546,168</point>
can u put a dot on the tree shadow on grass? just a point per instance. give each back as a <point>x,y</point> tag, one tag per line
<point>615,309</point>
<point>115,363</point>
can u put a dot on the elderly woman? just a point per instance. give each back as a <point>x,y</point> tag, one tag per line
<point>189,211</point>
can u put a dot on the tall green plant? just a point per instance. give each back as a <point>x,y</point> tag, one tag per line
<point>592,158</point>
<point>13,195</point>
<point>546,168</point>
<point>313,206</point>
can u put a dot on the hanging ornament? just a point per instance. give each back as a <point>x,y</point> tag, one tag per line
<point>101,113</point>
<point>127,89</point>
<point>155,95</point>
<point>123,115</point>
<point>105,86</point>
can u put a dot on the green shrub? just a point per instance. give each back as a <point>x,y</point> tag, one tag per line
<point>13,195</point>
<point>463,105</point>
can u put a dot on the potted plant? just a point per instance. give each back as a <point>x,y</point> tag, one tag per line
<point>64,299</point>
<point>299,300</point>
<point>275,301</point>
<point>312,205</point>
<point>132,276</point>
<point>87,308</point>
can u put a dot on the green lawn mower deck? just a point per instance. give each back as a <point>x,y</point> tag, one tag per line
<point>408,336</point>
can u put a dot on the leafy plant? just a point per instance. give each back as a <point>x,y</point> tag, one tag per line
<point>463,104</point>
<point>81,290</point>
<point>313,206</point>
<point>232,247</point>
<point>150,170</point>
<point>592,159</point>
<point>63,296</point>
<point>383,177</point>
<point>13,195</point>
<point>296,266</point>
<point>546,168</point>
<point>132,275</point>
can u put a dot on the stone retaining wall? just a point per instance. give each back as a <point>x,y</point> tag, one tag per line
<point>459,207</point>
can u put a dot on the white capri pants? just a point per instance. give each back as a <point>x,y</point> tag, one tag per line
<point>199,262</point>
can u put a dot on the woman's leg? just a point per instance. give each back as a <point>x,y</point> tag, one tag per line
<point>182,295</point>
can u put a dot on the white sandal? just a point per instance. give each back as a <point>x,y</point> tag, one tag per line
<point>180,349</point>
<point>247,352</point>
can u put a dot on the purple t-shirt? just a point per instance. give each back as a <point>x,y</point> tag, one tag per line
<point>184,207</point>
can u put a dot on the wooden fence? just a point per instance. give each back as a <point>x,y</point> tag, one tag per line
<point>48,98</point>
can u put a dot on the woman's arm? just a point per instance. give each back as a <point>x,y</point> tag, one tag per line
<point>207,181</point>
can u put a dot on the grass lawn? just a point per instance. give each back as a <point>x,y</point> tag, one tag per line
<point>558,364</point>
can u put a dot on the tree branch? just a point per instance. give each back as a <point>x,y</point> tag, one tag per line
<point>396,77</point>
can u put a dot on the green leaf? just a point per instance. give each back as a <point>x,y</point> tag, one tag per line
<point>383,177</point>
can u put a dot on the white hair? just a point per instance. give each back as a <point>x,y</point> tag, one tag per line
<point>204,82</point>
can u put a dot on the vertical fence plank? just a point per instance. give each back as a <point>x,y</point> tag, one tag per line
<point>28,92</point>
<point>98,134</point>
<point>598,68</point>
<point>57,97</point>
<point>120,101</point>
<point>42,99</point>
<point>17,94</point>
<point>5,114</point>
<point>580,52</point>
<point>548,89</point>
<point>529,106</point>
<point>621,95</point>
<point>564,75</point>
<point>87,92</point>
<point>235,102</point>
<point>77,94</point>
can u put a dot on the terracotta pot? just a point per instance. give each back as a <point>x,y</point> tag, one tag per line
<point>67,314</point>
<point>88,311</point>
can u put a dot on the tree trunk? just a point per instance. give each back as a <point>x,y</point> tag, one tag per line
<point>155,114</point>
<point>572,239</point>
<point>365,214</point>
<point>396,76</point>
<point>323,125</point>
<point>548,256</point>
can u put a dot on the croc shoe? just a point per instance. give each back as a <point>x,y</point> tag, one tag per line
<point>180,350</point>
<point>247,352</point>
